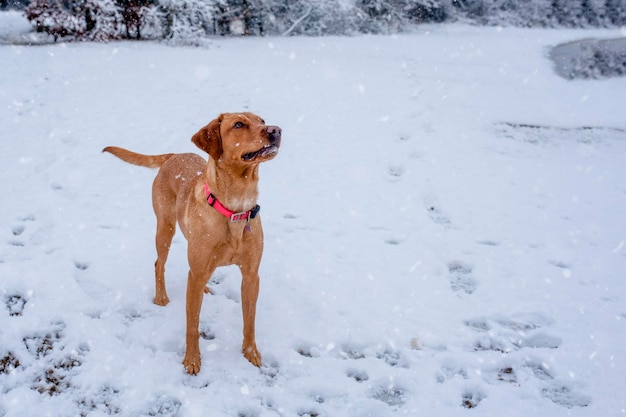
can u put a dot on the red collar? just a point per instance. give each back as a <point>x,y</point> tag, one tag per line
<point>233,216</point>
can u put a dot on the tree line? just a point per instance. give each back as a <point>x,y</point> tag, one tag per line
<point>189,20</point>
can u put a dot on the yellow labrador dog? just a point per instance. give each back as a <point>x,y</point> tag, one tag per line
<point>215,205</point>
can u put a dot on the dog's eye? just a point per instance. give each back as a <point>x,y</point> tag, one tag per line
<point>238,125</point>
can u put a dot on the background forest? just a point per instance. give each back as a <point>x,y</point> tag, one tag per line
<point>188,20</point>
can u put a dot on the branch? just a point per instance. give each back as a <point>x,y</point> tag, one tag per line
<point>297,22</point>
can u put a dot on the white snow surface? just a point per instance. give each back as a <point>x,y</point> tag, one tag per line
<point>444,229</point>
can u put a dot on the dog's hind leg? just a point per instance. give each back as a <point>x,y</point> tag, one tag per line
<point>165,231</point>
<point>164,204</point>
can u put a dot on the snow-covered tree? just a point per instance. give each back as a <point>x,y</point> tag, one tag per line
<point>533,13</point>
<point>616,12</point>
<point>298,17</point>
<point>593,12</point>
<point>102,20</point>
<point>568,13</point>
<point>427,11</point>
<point>186,21</point>
<point>516,13</point>
<point>83,20</point>
<point>472,9</point>
<point>133,15</point>
<point>536,13</point>
<point>382,15</point>
<point>238,17</point>
<point>49,16</point>
<point>151,22</point>
<point>99,20</point>
<point>286,17</point>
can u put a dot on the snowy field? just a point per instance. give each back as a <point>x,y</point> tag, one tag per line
<point>445,229</point>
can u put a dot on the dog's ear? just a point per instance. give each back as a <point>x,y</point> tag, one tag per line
<point>209,139</point>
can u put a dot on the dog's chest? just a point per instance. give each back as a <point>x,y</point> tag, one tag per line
<point>225,242</point>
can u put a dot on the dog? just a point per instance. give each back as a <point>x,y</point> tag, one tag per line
<point>214,203</point>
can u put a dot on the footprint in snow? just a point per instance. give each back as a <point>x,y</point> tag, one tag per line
<point>9,363</point>
<point>357,375</point>
<point>81,265</point>
<point>564,396</point>
<point>56,377</point>
<point>392,357</point>
<point>164,406</point>
<point>488,242</point>
<point>508,334</point>
<point>93,288</point>
<point>15,304</point>
<point>461,278</point>
<point>206,333</point>
<point>501,374</point>
<point>450,372</point>
<point>386,353</point>
<point>308,413</point>
<point>539,369</point>
<point>104,400</point>
<point>351,351</point>
<point>559,264</point>
<point>393,241</point>
<point>471,398</point>
<point>131,314</point>
<point>54,361</point>
<point>18,229</point>
<point>41,344</point>
<point>22,233</point>
<point>395,172</point>
<point>435,212</point>
<point>308,350</point>
<point>270,369</point>
<point>390,394</point>
<point>27,218</point>
<point>248,412</point>
<point>520,333</point>
<point>317,397</point>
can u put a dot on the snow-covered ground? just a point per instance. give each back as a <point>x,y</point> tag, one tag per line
<point>445,229</point>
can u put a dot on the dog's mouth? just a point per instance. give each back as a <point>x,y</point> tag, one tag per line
<point>268,151</point>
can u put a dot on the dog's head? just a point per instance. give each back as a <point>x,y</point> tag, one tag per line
<point>241,138</point>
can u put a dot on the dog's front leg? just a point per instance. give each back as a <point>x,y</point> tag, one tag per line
<point>249,296</point>
<point>195,292</point>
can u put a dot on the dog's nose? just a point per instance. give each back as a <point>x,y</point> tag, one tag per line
<point>274,133</point>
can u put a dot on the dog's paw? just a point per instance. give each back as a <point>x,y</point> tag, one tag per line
<point>251,353</point>
<point>161,300</point>
<point>192,364</point>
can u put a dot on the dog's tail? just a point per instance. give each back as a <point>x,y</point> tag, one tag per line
<point>148,161</point>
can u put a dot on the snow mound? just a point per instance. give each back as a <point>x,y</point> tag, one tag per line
<point>590,58</point>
